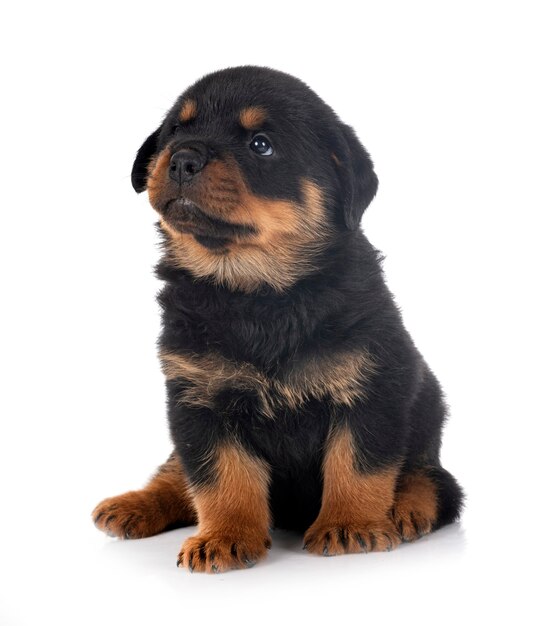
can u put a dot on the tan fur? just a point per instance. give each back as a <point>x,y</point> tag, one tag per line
<point>355,511</point>
<point>415,508</point>
<point>166,500</point>
<point>341,377</point>
<point>336,159</point>
<point>157,175</point>
<point>346,491</point>
<point>288,238</point>
<point>251,118</point>
<point>234,514</point>
<point>287,235</point>
<point>188,111</point>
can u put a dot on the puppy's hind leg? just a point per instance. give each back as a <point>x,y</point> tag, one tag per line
<point>163,503</point>
<point>426,499</point>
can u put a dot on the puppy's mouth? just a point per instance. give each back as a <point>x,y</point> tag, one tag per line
<point>211,232</point>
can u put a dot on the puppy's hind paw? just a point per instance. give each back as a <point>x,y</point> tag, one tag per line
<point>132,515</point>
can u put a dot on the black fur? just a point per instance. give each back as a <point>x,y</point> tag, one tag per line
<point>344,305</point>
<point>139,169</point>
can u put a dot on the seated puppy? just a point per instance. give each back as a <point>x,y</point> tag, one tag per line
<point>296,398</point>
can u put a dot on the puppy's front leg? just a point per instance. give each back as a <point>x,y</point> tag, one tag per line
<point>355,515</point>
<point>233,514</point>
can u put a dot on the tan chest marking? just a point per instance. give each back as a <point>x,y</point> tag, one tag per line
<point>342,378</point>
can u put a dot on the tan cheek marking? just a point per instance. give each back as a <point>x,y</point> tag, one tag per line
<point>288,237</point>
<point>270,217</point>
<point>289,234</point>
<point>157,175</point>
<point>240,206</point>
<point>284,227</point>
<point>188,111</point>
<point>253,117</point>
<point>267,215</point>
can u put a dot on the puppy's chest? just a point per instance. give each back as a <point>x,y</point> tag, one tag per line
<point>213,381</point>
<point>228,353</point>
<point>254,335</point>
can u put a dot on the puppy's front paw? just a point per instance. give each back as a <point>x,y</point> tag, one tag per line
<point>329,539</point>
<point>132,515</point>
<point>214,553</point>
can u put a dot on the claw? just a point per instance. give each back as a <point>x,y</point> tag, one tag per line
<point>416,526</point>
<point>390,546</point>
<point>343,538</point>
<point>361,542</point>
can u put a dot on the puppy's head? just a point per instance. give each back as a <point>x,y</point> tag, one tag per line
<point>253,175</point>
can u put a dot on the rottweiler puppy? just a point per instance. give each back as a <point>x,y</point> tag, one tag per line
<point>296,397</point>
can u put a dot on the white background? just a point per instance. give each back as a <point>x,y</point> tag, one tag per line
<point>442,95</point>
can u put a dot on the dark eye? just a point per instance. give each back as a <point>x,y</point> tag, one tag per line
<point>261,145</point>
<point>175,128</point>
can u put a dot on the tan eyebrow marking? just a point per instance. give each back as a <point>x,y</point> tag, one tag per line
<point>252,117</point>
<point>188,111</point>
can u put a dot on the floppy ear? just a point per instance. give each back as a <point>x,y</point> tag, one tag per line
<point>358,181</point>
<point>145,154</point>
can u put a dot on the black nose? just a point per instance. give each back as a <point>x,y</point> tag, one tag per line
<point>187,162</point>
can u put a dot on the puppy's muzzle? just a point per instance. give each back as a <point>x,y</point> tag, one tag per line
<point>187,161</point>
